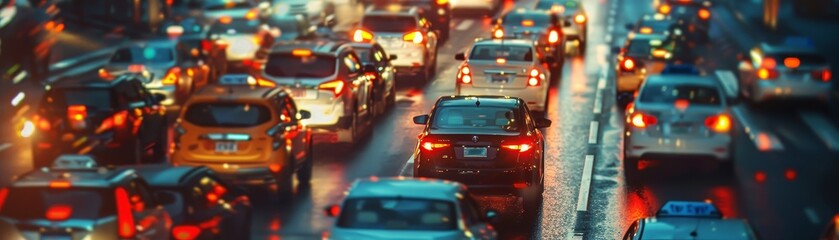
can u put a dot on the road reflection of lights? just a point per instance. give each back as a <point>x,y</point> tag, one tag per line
<point>275,224</point>
<point>640,203</point>
<point>790,174</point>
<point>723,198</point>
<point>760,176</point>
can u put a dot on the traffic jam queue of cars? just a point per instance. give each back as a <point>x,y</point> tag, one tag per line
<point>251,105</point>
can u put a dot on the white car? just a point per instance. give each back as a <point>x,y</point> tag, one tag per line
<point>400,208</point>
<point>483,6</point>
<point>506,67</point>
<point>402,31</point>
<point>682,115</point>
<point>784,71</point>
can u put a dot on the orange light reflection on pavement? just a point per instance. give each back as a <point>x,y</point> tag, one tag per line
<point>639,204</point>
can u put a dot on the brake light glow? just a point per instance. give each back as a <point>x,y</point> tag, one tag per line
<point>125,216</point>
<point>646,30</point>
<point>580,18</point>
<point>498,33</point>
<point>275,167</point>
<point>527,23</point>
<point>534,78</point>
<point>59,212</point>
<point>301,52</point>
<point>430,146</point>
<point>524,147</point>
<point>628,65</point>
<point>172,76</point>
<point>114,121</point>
<point>416,37</point>
<point>704,14</point>
<point>250,15</point>
<point>360,35</point>
<point>185,232</point>
<point>501,61</point>
<point>664,9</point>
<point>336,86</point>
<point>553,36</point>
<point>792,62</point>
<point>825,75</point>
<point>3,193</point>
<point>41,123</point>
<point>718,123</point>
<point>441,2</point>
<point>225,20</point>
<point>464,75</point>
<point>60,184</point>
<point>769,63</point>
<point>104,74</point>
<point>136,68</point>
<point>767,73</point>
<point>641,120</point>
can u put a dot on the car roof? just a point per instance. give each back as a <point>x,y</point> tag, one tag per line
<point>91,82</point>
<point>703,228</point>
<point>235,92</point>
<point>405,187</point>
<point>506,42</point>
<point>319,46</point>
<point>392,10</point>
<point>93,177</point>
<point>682,79</point>
<point>168,176</point>
<point>491,101</point>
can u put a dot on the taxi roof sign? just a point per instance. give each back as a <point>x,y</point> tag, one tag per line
<point>237,79</point>
<point>689,209</point>
<point>74,161</point>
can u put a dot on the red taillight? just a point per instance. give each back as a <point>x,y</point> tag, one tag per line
<point>3,193</point>
<point>77,112</point>
<point>464,76</point>
<point>336,86</point>
<point>524,147</point>
<point>718,123</point>
<point>534,78</point>
<point>553,37</point>
<point>704,14</point>
<point>360,35</point>
<point>185,232</point>
<point>767,73</point>
<point>792,62</point>
<point>334,210</point>
<point>430,146</point>
<point>59,184</point>
<point>136,68</point>
<point>498,32</point>
<point>416,37</point>
<point>125,216</point>
<point>275,167</point>
<point>59,212</point>
<point>212,198</point>
<point>824,75</point>
<point>104,74</point>
<point>664,9</point>
<point>641,120</point>
<point>114,121</point>
<point>172,76</point>
<point>41,123</point>
<point>628,65</point>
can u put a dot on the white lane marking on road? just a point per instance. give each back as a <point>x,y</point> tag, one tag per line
<point>812,215</point>
<point>592,132</point>
<point>585,184</point>
<point>608,39</point>
<point>464,25</point>
<point>728,81</point>
<point>408,168</point>
<point>598,102</point>
<point>5,146</point>
<point>610,28</point>
<point>821,127</point>
<point>764,141</point>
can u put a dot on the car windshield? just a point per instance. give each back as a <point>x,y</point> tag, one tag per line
<point>406,214</point>
<point>639,47</point>
<point>227,114</point>
<point>144,55</point>
<point>31,203</point>
<point>527,20</point>
<point>670,93</point>
<point>470,119</point>
<point>399,24</point>
<point>93,98</point>
<point>288,65</point>
<point>236,26</point>
<point>493,52</point>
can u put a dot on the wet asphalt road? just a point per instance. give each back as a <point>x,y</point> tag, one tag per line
<point>786,192</point>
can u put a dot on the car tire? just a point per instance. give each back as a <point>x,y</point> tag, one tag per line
<point>304,174</point>
<point>532,199</point>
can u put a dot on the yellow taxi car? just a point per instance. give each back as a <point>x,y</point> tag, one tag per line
<point>248,131</point>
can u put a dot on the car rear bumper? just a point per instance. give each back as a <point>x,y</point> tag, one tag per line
<point>326,113</point>
<point>534,96</point>
<point>407,56</point>
<point>639,145</point>
<point>506,181</point>
<point>804,89</point>
<point>239,174</point>
<point>628,82</point>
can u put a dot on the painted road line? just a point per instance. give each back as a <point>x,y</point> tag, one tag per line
<point>598,102</point>
<point>812,216</point>
<point>592,132</point>
<point>464,25</point>
<point>5,146</point>
<point>763,140</point>
<point>408,168</point>
<point>728,82</point>
<point>585,184</point>
<point>822,127</point>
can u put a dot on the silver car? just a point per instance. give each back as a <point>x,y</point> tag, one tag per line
<point>791,70</point>
<point>516,68</point>
<point>678,115</point>
<point>575,28</point>
<point>404,32</point>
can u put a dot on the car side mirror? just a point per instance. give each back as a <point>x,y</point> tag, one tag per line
<point>550,59</point>
<point>159,97</point>
<point>332,210</point>
<point>460,56</point>
<point>392,57</point>
<point>630,26</point>
<point>304,114</point>
<point>369,68</point>
<point>543,123</point>
<point>421,119</point>
<point>165,197</point>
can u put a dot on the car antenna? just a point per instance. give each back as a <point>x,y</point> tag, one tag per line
<point>477,102</point>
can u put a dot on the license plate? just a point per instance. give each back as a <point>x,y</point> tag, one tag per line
<point>500,78</point>
<point>226,147</point>
<point>474,152</point>
<point>680,127</point>
<point>299,93</point>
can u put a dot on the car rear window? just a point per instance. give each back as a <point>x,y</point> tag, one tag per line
<point>227,114</point>
<point>289,65</point>
<point>99,99</point>
<point>518,19</point>
<point>236,26</point>
<point>143,55</point>
<point>30,203</point>
<point>406,214</point>
<point>485,120</point>
<point>669,93</point>
<point>492,52</point>
<point>639,47</point>
<point>389,23</point>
